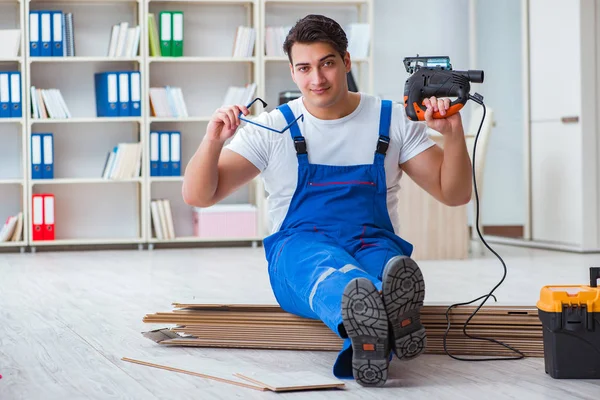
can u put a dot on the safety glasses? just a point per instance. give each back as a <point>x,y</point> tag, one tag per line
<point>264,126</point>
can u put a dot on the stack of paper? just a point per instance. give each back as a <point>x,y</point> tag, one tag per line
<point>269,327</point>
<point>167,102</point>
<point>123,162</point>
<point>48,103</point>
<point>124,41</point>
<point>245,37</point>
<point>162,219</point>
<point>12,231</point>
<point>10,43</point>
<point>239,95</point>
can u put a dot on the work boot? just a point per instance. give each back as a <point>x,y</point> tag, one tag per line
<point>403,292</point>
<point>367,326</point>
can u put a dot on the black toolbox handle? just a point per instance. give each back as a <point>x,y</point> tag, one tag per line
<point>594,276</point>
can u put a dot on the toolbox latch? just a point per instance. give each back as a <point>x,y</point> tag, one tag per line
<point>575,318</point>
<point>594,276</point>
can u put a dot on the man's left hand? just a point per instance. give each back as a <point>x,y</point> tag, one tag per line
<point>447,125</point>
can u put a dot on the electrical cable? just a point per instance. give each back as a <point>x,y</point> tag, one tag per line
<point>479,100</point>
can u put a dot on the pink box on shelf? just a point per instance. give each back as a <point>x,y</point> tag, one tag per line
<point>226,221</point>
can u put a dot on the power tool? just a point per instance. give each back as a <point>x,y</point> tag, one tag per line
<point>433,76</point>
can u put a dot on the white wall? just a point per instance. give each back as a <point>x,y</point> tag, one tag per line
<point>404,28</point>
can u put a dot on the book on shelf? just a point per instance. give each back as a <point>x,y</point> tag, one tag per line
<point>48,104</point>
<point>240,94</point>
<point>162,219</point>
<point>124,40</point>
<point>153,38</point>
<point>274,38</point>
<point>165,153</point>
<point>10,94</point>
<point>167,102</point>
<point>51,34</point>
<point>123,162</point>
<point>243,45</point>
<point>10,43</point>
<point>12,231</point>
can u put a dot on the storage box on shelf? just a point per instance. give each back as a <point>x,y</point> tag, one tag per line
<point>13,180</point>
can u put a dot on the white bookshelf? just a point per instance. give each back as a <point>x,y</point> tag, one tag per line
<point>90,210</point>
<point>13,132</point>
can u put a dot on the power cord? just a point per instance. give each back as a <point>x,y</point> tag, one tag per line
<point>479,100</point>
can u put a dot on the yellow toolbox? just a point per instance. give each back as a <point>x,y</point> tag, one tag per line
<point>570,318</point>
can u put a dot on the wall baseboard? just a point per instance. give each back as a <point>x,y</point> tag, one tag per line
<point>512,231</point>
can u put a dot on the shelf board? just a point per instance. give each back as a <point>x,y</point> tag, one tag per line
<point>285,59</point>
<point>67,242</point>
<point>94,2</point>
<point>12,244</point>
<point>194,239</point>
<point>10,59</point>
<point>204,1</point>
<point>82,59</point>
<point>202,59</point>
<point>71,181</point>
<point>11,181</point>
<point>90,120</point>
<point>10,120</point>
<point>300,2</point>
<point>179,119</point>
<point>166,179</point>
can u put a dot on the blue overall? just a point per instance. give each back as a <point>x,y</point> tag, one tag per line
<point>337,228</point>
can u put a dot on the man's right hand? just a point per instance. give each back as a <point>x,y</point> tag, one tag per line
<point>224,122</point>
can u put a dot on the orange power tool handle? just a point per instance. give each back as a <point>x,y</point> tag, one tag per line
<point>420,110</point>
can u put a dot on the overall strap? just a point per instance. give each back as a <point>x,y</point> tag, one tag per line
<point>383,141</point>
<point>299,142</point>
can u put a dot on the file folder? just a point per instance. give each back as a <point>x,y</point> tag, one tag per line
<point>135,97</point>
<point>34,34</point>
<point>175,153</point>
<point>16,110</point>
<point>48,226</point>
<point>37,217</point>
<point>4,95</point>
<point>57,34</point>
<point>177,42</point>
<point>165,159</point>
<point>36,156</point>
<point>46,33</point>
<point>165,33</point>
<point>154,154</point>
<point>124,94</point>
<point>107,96</point>
<point>47,156</point>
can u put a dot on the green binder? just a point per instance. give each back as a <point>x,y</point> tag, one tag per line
<point>166,31</point>
<point>153,39</point>
<point>177,34</point>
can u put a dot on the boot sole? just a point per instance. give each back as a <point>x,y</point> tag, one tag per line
<point>366,324</point>
<point>403,290</point>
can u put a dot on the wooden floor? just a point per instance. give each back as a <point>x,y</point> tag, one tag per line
<point>67,319</point>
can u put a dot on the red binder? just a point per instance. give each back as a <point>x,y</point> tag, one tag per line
<point>48,216</point>
<point>37,216</point>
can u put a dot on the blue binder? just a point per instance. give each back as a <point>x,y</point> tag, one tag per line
<point>4,95</point>
<point>107,94</point>
<point>16,110</point>
<point>58,40</point>
<point>45,33</point>
<point>154,153</point>
<point>165,154</point>
<point>47,156</point>
<point>124,90</point>
<point>34,34</point>
<point>36,156</point>
<point>175,151</point>
<point>135,94</point>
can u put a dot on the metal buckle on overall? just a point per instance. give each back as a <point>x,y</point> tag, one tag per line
<point>382,144</point>
<point>300,145</point>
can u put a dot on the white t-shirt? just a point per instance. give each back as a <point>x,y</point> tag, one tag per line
<point>350,140</point>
